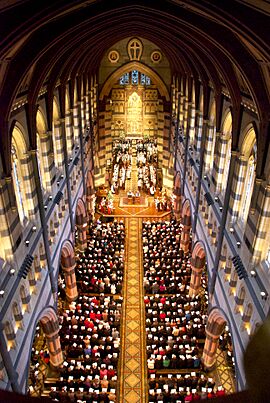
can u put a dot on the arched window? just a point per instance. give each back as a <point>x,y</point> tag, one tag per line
<point>41,131</point>
<point>225,150</point>
<point>17,180</point>
<point>226,165</point>
<point>134,78</point>
<point>40,163</point>
<point>268,257</point>
<point>124,80</point>
<point>249,150</point>
<point>248,188</point>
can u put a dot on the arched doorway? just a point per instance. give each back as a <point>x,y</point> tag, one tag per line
<point>46,353</point>
<point>90,195</point>
<point>217,337</point>
<point>68,264</point>
<point>197,266</point>
<point>81,225</point>
<point>185,241</point>
<point>177,196</point>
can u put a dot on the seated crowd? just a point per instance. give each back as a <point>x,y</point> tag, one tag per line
<point>175,322</point>
<point>175,330</point>
<point>90,326</point>
<point>173,388</point>
<point>166,269</point>
<point>100,267</point>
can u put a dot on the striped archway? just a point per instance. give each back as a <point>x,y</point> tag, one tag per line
<point>68,264</point>
<point>177,196</point>
<point>90,195</point>
<point>50,326</point>
<point>81,224</point>
<point>185,241</point>
<point>197,265</point>
<point>214,328</point>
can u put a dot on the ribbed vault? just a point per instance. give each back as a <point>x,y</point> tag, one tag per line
<point>203,40</point>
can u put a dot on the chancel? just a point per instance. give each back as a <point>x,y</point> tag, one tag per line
<point>134,201</point>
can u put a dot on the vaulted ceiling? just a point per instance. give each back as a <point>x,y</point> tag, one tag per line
<point>222,42</point>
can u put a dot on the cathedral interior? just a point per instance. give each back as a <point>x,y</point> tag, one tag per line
<point>134,200</point>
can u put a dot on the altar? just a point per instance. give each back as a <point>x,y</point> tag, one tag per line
<point>133,201</point>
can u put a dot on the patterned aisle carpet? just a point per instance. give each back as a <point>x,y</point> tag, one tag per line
<point>133,372</point>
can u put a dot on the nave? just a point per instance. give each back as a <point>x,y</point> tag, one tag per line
<point>134,333</point>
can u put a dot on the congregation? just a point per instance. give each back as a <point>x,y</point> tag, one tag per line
<point>90,326</point>
<point>175,321</point>
<point>176,388</point>
<point>100,267</point>
<point>166,268</point>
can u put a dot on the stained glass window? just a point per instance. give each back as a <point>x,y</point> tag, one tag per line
<point>147,80</point>
<point>134,77</point>
<point>124,80</point>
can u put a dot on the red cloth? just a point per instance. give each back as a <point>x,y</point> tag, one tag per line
<point>88,324</point>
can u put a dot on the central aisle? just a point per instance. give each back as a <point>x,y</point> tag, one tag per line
<point>133,375</point>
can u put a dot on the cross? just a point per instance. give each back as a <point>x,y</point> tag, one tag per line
<point>135,46</point>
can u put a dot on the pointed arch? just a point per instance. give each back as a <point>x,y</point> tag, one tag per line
<point>90,195</point>
<point>43,145</point>
<point>198,259</point>
<point>185,241</point>
<point>247,174</point>
<point>50,326</point>
<point>81,224</point>
<point>134,65</point>
<point>41,122</point>
<point>19,162</point>
<point>214,328</point>
<point>68,264</point>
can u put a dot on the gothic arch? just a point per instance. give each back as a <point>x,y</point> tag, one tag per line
<point>50,326</point>
<point>198,260</point>
<point>249,140</point>
<point>20,171</point>
<point>68,264</point>
<point>41,122</point>
<point>90,194</point>
<point>214,328</point>
<point>177,183</point>
<point>134,65</point>
<point>177,195</point>
<point>19,137</point>
<point>227,123</point>
<point>81,224</point>
<point>186,213</point>
<point>43,144</point>
<point>185,241</point>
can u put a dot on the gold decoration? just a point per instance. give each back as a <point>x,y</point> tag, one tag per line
<point>113,56</point>
<point>156,56</point>
<point>135,49</point>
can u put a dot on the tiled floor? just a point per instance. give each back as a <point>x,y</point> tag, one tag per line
<point>133,382</point>
<point>223,373</point>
